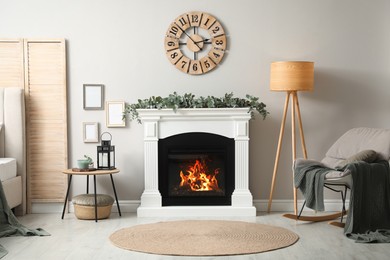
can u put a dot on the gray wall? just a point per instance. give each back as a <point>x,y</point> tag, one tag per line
<point>119,44</point>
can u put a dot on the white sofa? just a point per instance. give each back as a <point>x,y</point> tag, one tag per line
<point>13,148</point>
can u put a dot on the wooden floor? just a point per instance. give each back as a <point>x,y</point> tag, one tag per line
<point>79,239</point>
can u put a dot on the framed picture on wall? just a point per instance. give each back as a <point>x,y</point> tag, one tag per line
<point>93,96</point>
<point>114,114</point>
<point>91,132</point>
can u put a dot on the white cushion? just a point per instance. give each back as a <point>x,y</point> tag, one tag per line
<point>331,174</point>
<point>337,174</point>
<point>13,191</point>
<point>344,180</point>
<point>7,168</point>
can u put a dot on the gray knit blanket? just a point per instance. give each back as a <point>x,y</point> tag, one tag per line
<point>368,219</point>
<point>10,226</point>
<point>309,178</point>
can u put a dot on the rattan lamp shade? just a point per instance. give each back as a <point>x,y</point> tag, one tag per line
<point>292,76</point>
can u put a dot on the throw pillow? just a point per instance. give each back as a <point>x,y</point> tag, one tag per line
<point>365,155</point>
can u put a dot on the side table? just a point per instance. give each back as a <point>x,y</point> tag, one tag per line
<point>70,174</point>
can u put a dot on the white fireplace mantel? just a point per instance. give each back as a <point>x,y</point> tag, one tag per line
<point>228,122</point>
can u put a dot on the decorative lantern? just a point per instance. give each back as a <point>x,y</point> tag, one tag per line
<point>106,154</point>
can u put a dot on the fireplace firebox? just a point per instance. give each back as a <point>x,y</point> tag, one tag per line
<point>196,169</point>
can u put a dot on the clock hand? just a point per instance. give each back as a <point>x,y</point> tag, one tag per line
<point>205,40</point>
<point>189,37</point>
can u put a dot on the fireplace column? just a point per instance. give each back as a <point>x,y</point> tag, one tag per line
<point>241,196</point>
<point>151,197</point>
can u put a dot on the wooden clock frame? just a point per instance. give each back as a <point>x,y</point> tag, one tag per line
<point>184,33</point>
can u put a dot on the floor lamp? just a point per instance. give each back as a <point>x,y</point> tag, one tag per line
<point>290,76</point>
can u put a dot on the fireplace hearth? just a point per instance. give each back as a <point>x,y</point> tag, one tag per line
<point>196,163</point>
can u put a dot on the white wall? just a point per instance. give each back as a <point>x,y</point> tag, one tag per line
<point>119,44</point>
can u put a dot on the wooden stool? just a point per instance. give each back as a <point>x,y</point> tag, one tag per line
<point>84,206</point>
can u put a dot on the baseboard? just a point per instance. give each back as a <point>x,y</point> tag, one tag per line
<point>46,208</point>
<point>130,206</point>
<point>288,205</point>
<point>57,207</point>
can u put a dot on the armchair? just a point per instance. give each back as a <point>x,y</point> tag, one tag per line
<point>357,144</point>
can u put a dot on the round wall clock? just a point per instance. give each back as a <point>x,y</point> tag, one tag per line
<point>195,43</point>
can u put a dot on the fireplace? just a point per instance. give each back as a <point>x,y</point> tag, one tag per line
<point>196,169</point>
<point>211,144</point>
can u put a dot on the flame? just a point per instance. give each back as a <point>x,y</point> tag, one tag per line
<point>197,178</point>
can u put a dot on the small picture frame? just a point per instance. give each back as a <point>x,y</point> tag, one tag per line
<point>93,96</point>
<point>114,114</point>
<point>91,132</point>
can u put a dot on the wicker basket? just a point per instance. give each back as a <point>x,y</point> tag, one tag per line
<point>84,206</point>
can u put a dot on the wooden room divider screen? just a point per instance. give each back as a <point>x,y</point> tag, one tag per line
<point>39,66</point>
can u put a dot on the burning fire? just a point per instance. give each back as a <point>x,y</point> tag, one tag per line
<point>197,178</point>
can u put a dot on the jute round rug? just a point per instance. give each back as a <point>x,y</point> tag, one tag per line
<point>203,238</point>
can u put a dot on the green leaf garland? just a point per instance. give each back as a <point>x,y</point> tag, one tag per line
<point>188,100</point>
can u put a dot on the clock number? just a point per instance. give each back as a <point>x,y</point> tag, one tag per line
<point>218,42</point>
<point>171,43</point>
<point>207,64</point>
<point>195,18</point>
<point>174,30</point>
<point>174,55</point>
<point>183,64</point>
<point>182,21</point>
<point>207,21</point>
<point>216,55</point>
<point>195,68</point>
<point>216,30</point>
<point>206,24</point>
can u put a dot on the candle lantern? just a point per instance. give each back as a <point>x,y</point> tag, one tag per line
<point>106,154</point>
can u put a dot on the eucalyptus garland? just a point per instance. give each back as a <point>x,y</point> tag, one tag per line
<point>188,100</point>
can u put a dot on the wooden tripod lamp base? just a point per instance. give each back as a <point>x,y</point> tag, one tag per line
<point>290,76</point>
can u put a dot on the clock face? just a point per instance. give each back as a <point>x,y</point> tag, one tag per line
<point>195,43</point>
